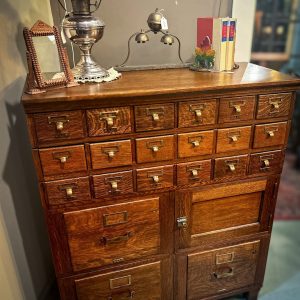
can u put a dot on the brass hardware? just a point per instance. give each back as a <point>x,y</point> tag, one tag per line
<point>118,260</point>
<point>275,103</point>
<point>130,295</point>
<point>59,122</point>
<point>62,156</point>
<point>69,189</point>
<point>110,151</point>
<point>231,167</point>
<point>115,283</point>
<point>226,274</point>
<point>113,182</point>
<point>224,258</point>
<point>271,131</point>
<point>194,173</point>
<point>237,106</point>
<point>197,109</point>
<point>155,146</point>
<point>114,185</point>
<point>115,218</point>
<point>109,117</point>
<point>155,113</point>
<point>117,239</point>
<point>265,162</point>
<point>195,141</point>
<point>155,116</point>
<point>182,222</point>
<point>234,136</point>
<point>155,176</point>
<point>232,164</point>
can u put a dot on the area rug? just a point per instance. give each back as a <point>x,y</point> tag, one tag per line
<point>288,202</point>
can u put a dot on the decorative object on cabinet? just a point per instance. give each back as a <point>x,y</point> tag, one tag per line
<point>204,58</point>
<point>43,75</point>
<point>84,30</point>
<point>157,23</point>
<point>172,184</point>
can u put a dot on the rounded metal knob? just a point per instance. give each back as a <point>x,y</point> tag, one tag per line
<point>111,154</point>
<point>110,121</point>
<point>231,167</point>
<point>155,149</point>
<point>63,159</point>
<point>155,179</point>
<point>114,185</point>
<point>155,116</point>
<point>69,192</point>
<point>59,126</point>
<point>194,173</point>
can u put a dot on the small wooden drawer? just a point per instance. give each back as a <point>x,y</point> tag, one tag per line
<point>154,117</point>
<point>221,270</point>
<point>193,173</point>
<point>62,160</point>
<point>266,162</point>
<point>68,190</point>
<point>268,135</point>
<point>113,184</point>
<point>234,166</point>
<point>105,121</point>
<point>154,178</point>
<point>236,109</point>
<point>274,105</point>
<point>113,234</point>
<point>155,149</point>
<point>233,139</point>
<point>59,126</point>
<point>196,113</point>
<point>111,154</point>
<point>132,283</point>
<point>195,143</point>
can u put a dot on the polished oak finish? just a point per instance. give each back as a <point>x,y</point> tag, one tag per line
<point>162,184</point>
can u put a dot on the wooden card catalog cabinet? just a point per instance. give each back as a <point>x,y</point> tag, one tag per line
<point>165,192</point>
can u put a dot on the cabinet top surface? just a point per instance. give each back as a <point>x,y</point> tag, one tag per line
<point>171,81</point>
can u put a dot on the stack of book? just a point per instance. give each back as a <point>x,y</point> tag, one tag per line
<point>221,34</point>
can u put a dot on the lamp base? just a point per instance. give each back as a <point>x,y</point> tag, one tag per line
<point>88,70</point>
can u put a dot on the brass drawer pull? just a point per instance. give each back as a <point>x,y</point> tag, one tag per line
<point>197,109</point>
<point>155,113</point>
<point>234,136</point>
<point>109,117</point>
<point>62,156</point>
<point>117,239</point>
<point>237,106</point>
<point>155,146</point>
<point>129,296</point>
<point>270,132</point>
<point>195,141</point>
<point>59,122</point>
<point>69,190</point>
<point>275,104</point>
<point>226,274</point>
<point>266,162</point>
<point>232,165</point>
<point>155,176</point>
<point>194,171</point>
<point>113,182</point>
<point>111,151</point>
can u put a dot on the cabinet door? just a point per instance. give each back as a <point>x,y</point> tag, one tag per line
<point>224,211</point>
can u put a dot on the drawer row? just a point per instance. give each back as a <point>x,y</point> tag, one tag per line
<point>64,160</point>
<point>215,271</point>
<point>57,126</point>
<point>194,173</point>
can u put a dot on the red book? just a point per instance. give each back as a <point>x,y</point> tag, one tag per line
<point>204,31</point>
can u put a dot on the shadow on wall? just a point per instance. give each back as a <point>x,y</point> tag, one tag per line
<point>23,216</point>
